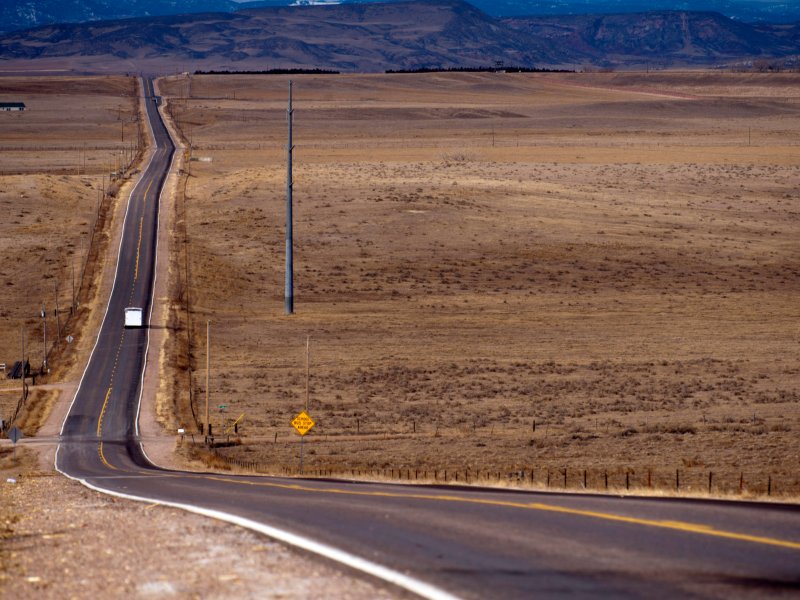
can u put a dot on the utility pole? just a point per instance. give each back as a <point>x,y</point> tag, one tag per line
<point>308,368</point>
<point>208,363</point>
<point>72,310</point>
<point>22,332</point>
<point>289,291</point>
<point>44,344</point>
<point>58,319</point>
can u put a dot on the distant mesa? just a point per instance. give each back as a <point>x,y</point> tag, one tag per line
<point>402,36</point>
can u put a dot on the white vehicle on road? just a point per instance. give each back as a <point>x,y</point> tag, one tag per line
<point>134,317</point>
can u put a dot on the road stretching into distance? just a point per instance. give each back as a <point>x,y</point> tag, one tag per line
<point>435,542</point>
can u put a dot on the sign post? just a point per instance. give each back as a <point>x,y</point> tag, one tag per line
<point>15,435</point>
<point>303,424</point>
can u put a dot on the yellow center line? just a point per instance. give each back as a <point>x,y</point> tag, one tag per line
<point>103,412</point>
<point>105,403</point>
<point>673,525</point>
<point>147,191</point>
<point>103,457</point>
<point>138,249</point>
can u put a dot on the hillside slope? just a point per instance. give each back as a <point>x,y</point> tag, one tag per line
<point>404,35</point>
<point>668,37</point>
<point>370,37</point>
<point>24,14</point>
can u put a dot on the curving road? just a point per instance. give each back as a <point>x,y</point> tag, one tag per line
<point>434,542</point>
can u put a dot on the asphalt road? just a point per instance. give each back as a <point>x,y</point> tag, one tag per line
<point>437,542</point>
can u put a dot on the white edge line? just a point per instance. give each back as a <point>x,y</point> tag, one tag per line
<point>420,588</point>
<point>113,284</point>
<point>175,149</point>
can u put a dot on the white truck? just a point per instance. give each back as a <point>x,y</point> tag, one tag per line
<point>134,317</point>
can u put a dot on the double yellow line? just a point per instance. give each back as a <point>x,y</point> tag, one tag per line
<point>141,228</point>
<point>103,412</point>
<point>105,402</point>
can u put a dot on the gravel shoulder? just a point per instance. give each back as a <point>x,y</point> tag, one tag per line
<point>62,540</point>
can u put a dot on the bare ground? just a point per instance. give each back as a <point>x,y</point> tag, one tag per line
<point>71,548</point>
<point>499,272</point>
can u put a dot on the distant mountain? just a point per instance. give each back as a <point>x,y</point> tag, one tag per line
<point>661,37</point>
<point>347,37</point>
<point>24,14</point>
<point>405,35</point>
<point>748,11</point>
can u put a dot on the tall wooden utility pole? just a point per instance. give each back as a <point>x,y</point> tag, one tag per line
<point>58,318</point>
<point>308,368</point>
<point>22,331</point>
<point>208,365</point>
<point>289,291</point>
<point>44,343</point>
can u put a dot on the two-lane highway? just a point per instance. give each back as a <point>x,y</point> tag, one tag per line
<point>105,408</point>
<point>437,542</point>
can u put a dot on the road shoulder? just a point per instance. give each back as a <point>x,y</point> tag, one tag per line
<point>62,540</point>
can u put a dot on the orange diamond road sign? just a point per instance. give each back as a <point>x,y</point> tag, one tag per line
<point>303,423</point>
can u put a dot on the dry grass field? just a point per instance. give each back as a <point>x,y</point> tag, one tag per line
<point>55,161</point>
<point>500,272</point>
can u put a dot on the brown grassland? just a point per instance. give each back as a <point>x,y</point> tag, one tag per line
<point>55,161</point>
<point>498,272</point>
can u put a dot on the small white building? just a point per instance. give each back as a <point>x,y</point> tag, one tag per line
<point>9,106</point>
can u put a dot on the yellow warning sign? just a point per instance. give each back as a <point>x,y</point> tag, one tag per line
<point>303,423</point>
